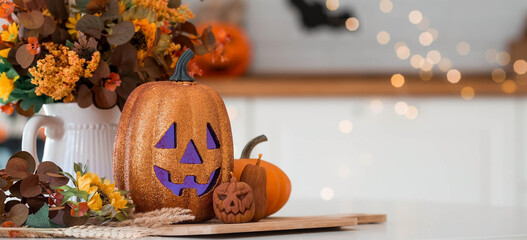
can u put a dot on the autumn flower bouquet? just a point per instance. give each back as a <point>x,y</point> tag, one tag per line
<point>90,51</point>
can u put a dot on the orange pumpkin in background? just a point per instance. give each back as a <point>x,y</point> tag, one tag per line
<point>236,51</point>
<point>278,184</point>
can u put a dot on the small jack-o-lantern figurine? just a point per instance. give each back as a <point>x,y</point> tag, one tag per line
<point>173,144</point>
<point>234,202</point>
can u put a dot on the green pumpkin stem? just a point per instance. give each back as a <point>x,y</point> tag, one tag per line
<point>246,152</point>
<point>181,74</point>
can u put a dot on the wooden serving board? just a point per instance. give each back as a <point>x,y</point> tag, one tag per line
<point>271,224</point>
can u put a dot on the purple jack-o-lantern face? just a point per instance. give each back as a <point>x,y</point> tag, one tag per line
<point>191,155</point>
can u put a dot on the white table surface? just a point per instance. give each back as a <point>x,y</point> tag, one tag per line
<point>406,220</point>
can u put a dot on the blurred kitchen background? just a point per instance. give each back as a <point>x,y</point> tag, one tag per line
<point>385,100</point>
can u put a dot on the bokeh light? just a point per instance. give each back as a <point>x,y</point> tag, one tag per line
<point>463,48</point>
<point>397,80</point>
<point>345,126</point>
<point>403,52</point>
<point>433,56</point>
<point>503,58</point>
<point>520,66</point>
<point>498,75</point>
<point>490,55</point>
<point>444,65</point>
<point>424,24</point>
<point>400,107</point>
<point>352,24</point>
<point>332,5</point>
<point>434,33</point>
<point>386,6</point>
<point>453,75</point>
<point>509,86</point>
<point>376,106</point>
<point>426,75</point>
<point>383,37</point>
<point>417,61</point>
<point>467,93</point>
<point>415,17</point>
<point>327,193</point>
<point>411,113</point>
<point>426,38</point>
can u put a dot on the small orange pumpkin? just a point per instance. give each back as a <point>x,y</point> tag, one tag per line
<point>173,144</point>
<point>237,52</point>
<point>278,184</point>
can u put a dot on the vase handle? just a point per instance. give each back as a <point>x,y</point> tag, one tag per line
<point>54,130</point>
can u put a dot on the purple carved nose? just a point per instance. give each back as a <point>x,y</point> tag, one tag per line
<point>191,155</point>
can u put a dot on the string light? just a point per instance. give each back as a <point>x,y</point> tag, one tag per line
<point>433,56</point>
<point>403,52</point>
<point>397,80</point>
<point>401,107</point>
<point>509,86</point>
<point>424,24</point>
<point>332,5</point>
<point>352,24</point>
<point>444,65</point>
<point>503,58</point>
<point>411,113</point>
<point>415,17</point>
<point>426,38</point>
<point>490,55</point>
<point>520,66</point>
<point>386,6</point>
<point>498,75</point>
<point>426,75</point>
<point>383,37</point>
<point>463,48</point>
<point>467,93</point>
<point>345,126</point>
<point>453,75</point>
<point>417,61</point>
<point>327,193</point>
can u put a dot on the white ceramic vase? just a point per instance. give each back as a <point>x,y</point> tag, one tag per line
<point>74,134</point>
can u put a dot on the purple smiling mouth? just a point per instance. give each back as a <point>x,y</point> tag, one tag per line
<point>190,182</point>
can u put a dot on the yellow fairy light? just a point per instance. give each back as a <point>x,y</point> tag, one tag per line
<point>415,17</point>
<point>490,55</point>
<point>520,66</point>
<point>463,48</point>
<point>352,24</point>
<point>434,33</point>
<point>403,52</point>
<point>417,61</point>
<point>411,113</point>
<point>509,86</point>
<point>498,75</point>
<point>453,75</point>
<point>434,56</point>
<point>383,37</point>
<point>401,107</point>
<point>444,65</point>
<point>424,24</point>
<point>426,75</point>
<point>397,80</point>
<point>386,6</point>
<point>503,58</point>
<point>426,38</point>
<point>467,93</point>
<point>332,5</point>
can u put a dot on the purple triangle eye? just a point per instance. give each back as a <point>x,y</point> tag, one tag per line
<point>212,139</point>
<point>169,139</point>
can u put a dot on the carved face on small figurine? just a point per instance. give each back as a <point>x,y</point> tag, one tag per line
<point>173,146</point>
<point>234,202</point>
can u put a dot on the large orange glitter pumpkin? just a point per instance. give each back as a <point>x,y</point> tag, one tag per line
<point>173,144</point>
<point>237,52</point>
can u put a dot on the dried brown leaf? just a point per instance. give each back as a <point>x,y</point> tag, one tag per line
<point>113,11</point>
<point>17,168</point>
<point>85,97</point>
<point>174,3</point>
<point>102,71</point>
<point>91,25</point>
<point>188,27</point>
<point>152,68</point>
<point>36,4</point>
<point>9,204</point>
<point>30,186</point>
<point>18,214</point>
<point>60,35</point>
<point>103,98</point>
<point>48,27</point>
<point>96,5</point>
<point>124,57</point>
<point>24,57</point>
<point>35,203</point>
<point>31,20</point>
<point>121,33</point>
<point>27,157</point>
<point>57,8</point>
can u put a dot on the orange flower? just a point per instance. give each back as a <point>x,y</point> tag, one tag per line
<point>12,234</point>
<point>164,28</point>
<point>32,45</point>
<point>6,8</point>
<point>8,224</point>
<point>8,108</point>
<point>113,82</point>
<point>79,211</point>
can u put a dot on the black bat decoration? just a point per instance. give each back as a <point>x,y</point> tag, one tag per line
<point>316,14</point>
